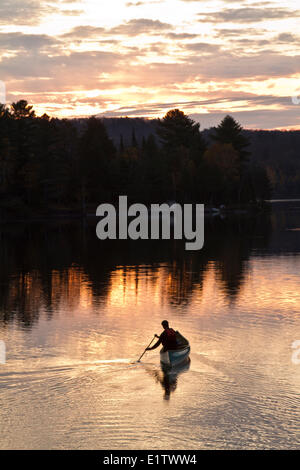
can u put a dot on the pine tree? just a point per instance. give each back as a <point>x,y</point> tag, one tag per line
<point>21,109</point>
<point>229,131</point>
<point>183,148</point>
<point>176,129</point>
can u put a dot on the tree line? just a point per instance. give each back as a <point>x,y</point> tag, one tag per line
<point>48,162</point>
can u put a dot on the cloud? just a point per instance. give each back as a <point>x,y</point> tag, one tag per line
<point>175,60</point>
<point>26,12</point>
<point>140,26</point>
<point>228,66</point>
<point>287,38</point>
<point>132,27</point>
<point>247,15</point>
<point>237,32</point>
<point>202,47</point>
<point>31,12</point>
<point>179,36</point>
<point>18,41</point>
<point>82,32</point>
<point>87,69</point>
<point>79,69</point>
<point>255,37</point>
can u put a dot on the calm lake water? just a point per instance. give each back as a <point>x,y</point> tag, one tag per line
<point>75,313</point>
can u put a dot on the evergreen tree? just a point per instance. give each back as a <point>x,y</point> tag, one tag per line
<point>23,137</point>
<point>183,149</point>
<point>176,129</point>
<point>21,109</point>
<point>229,131</point>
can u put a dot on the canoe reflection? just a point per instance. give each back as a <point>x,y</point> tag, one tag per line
<point>168,377</point>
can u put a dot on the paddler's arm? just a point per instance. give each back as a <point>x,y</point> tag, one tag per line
<point>156,344</point>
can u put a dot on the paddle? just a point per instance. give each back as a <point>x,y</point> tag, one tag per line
<point>146,348</point>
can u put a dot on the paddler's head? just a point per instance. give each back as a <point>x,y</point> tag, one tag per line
<point>165,324</point>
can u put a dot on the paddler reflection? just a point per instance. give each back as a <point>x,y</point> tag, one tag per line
<point>168,378</point>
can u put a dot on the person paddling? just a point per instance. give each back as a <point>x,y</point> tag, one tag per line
<point>167,338</point>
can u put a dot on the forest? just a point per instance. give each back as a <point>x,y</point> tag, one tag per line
<point>49,163</point>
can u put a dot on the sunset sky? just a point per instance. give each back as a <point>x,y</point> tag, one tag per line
<point>141,58</point>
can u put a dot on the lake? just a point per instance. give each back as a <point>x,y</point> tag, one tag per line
<point>77,312</point>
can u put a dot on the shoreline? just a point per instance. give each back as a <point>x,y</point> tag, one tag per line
<point>57,214</point>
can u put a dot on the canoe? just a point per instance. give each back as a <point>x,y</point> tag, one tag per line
<point>173,357</point>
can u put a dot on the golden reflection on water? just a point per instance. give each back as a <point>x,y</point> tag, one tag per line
<point>269,288</point>
<point>128,287</point>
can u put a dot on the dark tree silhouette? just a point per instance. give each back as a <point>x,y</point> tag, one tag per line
<point>176,129</point>
<point>229,131</point>
<point>183,148</point>
<point>49,164</point>
<point>21,109</point>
